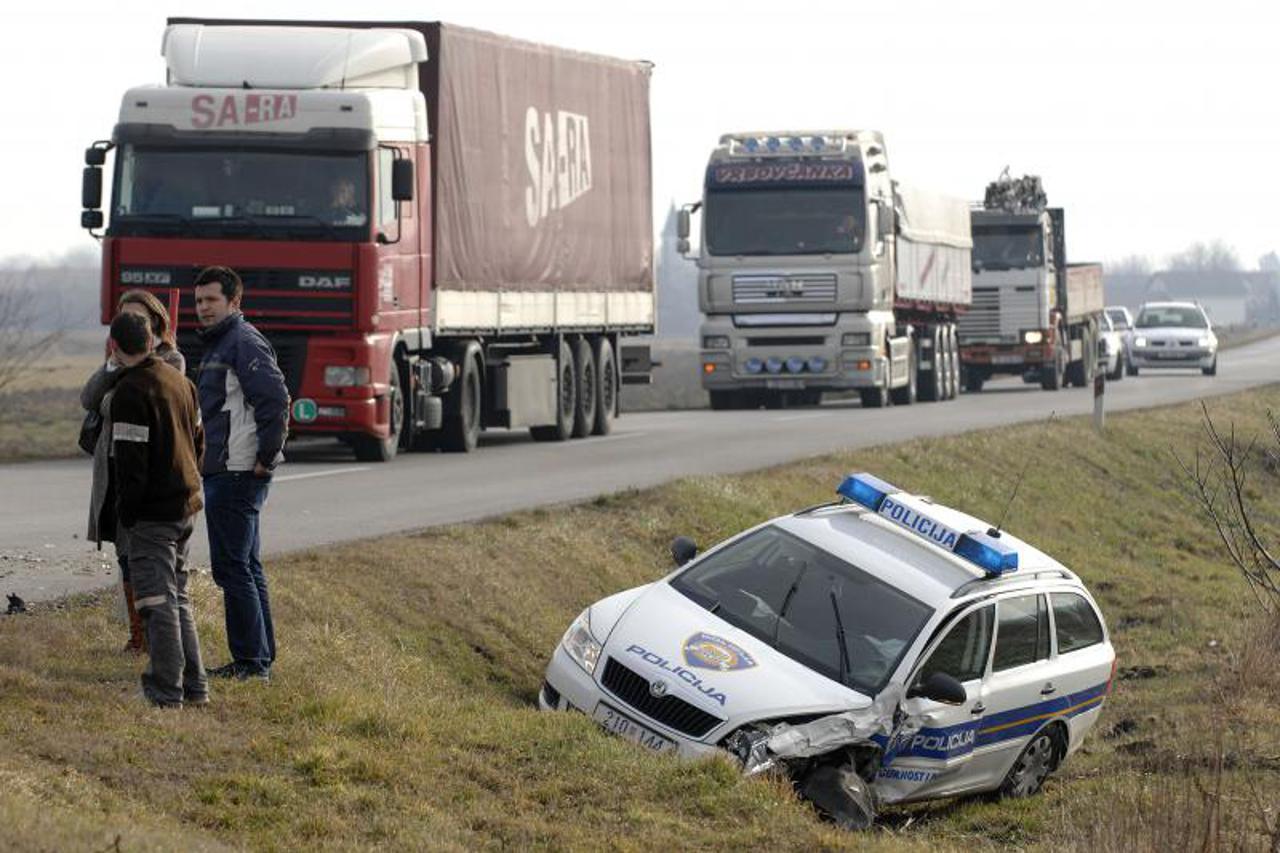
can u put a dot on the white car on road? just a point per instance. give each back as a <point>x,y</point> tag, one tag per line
<point>1174,334</point>
<point>1113,353</point>
<point>881,649</point>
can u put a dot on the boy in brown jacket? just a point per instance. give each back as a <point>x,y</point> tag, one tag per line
<point>159,445</point>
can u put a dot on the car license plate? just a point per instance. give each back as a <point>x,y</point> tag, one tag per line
<point>784,384</point>
<point>624,726</point>
<point>1006,359</point>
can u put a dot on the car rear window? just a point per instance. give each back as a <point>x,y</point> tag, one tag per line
<point>1075,621</point>
<point>801,599</point>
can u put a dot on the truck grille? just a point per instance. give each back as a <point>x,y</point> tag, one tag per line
<point>982,320</point>
<point>633,688</point>
<point>792,289</point>
<point>290,349</point>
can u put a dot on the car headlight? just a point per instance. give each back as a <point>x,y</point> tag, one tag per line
<point>1204,342</point>
<point>715,342</point>
<point>856,339</point>
<point>1033,337</point>
<point>581,646</point>
<point>1139,341</point>
<point>345,376</point>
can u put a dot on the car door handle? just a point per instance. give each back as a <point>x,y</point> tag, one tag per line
<point>978,709</point>
<point>1048,689</point>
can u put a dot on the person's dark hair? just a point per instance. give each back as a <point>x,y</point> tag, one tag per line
<point>155,310</point>
<point>232,287</point>
<point>132,333</point>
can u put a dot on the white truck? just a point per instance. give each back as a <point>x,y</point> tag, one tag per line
<point>818,272</point>
<point>1033,314</point>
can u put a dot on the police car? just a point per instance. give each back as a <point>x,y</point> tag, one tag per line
<point>880,649</point>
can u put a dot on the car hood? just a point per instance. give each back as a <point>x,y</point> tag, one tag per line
<point>716,666</point>
<point>1172,333</point>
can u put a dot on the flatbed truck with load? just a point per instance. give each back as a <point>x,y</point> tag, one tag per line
<point>439,230</point>
<point>819,272</point>
<point>1033,315</point>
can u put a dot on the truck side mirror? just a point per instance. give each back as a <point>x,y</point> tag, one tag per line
<point>683,549</point>
<point>682,226</point>
<point>91,188</point>
<point>91,219</point>
<point>940,687</point>
<point>402,180</point>
<point>95,155</point>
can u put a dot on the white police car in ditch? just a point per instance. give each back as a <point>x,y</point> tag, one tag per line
<point>881,649</point>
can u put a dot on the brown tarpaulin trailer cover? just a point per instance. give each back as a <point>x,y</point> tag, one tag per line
<point>542,159</point>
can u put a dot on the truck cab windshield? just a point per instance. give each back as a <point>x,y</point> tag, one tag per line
<point>1007,248</point>
<point>205,192</point>
<point>785,221</point>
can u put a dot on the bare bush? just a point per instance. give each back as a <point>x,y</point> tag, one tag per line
<point>1219,478</point>
<point>22,342</point>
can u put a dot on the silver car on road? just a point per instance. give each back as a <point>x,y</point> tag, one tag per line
<point>1174,334</point>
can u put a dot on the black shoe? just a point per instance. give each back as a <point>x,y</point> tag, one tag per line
<point>238,671</point>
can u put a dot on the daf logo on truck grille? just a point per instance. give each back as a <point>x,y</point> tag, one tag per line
<point>323,281</point>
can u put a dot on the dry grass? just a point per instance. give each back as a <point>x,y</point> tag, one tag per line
<point>401,714</point>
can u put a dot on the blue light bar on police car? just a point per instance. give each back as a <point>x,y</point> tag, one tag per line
<point>983,550</point>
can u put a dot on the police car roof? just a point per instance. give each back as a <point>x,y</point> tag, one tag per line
<point>909,562</point>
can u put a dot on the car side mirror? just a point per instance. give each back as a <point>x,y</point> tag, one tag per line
<point>402,180</point>
<point>683,549</point>
<point>939,687</point>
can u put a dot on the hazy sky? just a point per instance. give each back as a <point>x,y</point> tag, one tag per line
<point>1154,124</point>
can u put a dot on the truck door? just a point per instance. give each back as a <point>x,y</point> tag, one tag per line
<point>935,759</point>
<point>399,247</point>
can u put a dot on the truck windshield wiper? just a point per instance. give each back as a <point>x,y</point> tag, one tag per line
<point>153,219</point>
<point>303,219</point>
<point>840,637</point>
<point>242,219</point>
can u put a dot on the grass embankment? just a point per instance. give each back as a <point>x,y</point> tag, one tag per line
<point>401,713</point>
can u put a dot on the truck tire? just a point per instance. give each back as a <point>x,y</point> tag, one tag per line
<point>954,337</point>
<point>874,398</point>
<point>928,384</point>
<point>1051,374</point>
<point>562,429</point>
<point>973,380</point>
<point>607,387</point>
<point>370,448</point>
<point>1129,367</point>
<point>588,388</point>
<point>946,359</point>
<point>906,395</point>
<point>461,430</point>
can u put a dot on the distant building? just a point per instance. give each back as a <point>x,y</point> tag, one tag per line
<point>1225,294</point>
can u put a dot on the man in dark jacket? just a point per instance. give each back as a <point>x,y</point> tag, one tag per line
<point>246,415</point>
<point>159,445</point>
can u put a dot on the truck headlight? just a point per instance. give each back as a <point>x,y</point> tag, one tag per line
<point>580,645</point>
<point>1139,341</point>
<point>715,342</point>
<point>1034,336</point>
<point>345,376</point>
<point>856,339</point>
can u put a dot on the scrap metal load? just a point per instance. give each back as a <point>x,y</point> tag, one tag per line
<point>1016,195</point>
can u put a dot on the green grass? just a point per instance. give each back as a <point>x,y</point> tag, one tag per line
<point>401,714</point>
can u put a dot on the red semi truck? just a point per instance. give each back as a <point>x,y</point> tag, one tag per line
<point>439,229</point>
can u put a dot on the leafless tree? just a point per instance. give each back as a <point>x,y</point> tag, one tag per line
<point>1129,265</point>
<point>1206,257</point>
<point>1218,477</point>
<point>23,342</point>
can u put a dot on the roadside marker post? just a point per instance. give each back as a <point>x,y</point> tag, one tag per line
<point>1099,392</point>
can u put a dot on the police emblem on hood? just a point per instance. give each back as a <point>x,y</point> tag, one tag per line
<point>707,651</point>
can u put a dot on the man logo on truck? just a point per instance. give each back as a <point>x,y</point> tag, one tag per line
<point>558,154</point>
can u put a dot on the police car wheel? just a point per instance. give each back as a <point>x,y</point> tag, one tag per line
<point>1033,766</point>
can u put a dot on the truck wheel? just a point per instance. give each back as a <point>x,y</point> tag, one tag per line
<point>973,380</point>
<point>946,365</point>
<point>930,381</point>
<point>370,448</point>
<point>584,374</point>
<point>874,398</point>
<point>562,429</point>
<point>955,360</point>
<point>461,430</point>
<point>1129,367</point>
<point>906,395</point>
<point>1051,374</point>
<point>607,385</point>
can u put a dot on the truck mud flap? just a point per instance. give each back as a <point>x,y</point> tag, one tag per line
<point>637,364</point>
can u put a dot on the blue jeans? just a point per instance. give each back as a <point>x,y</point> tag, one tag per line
<point>232,507</point>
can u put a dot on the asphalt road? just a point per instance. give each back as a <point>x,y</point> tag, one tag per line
<point>320,496</point>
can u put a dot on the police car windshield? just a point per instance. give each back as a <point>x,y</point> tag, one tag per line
<point>801,600</point>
